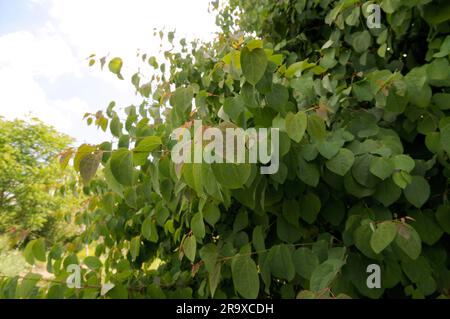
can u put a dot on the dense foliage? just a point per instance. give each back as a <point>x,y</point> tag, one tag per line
<point>35,195</point>
<point>363,179</point>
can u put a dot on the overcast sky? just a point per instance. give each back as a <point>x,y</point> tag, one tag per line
<point>44,45</point>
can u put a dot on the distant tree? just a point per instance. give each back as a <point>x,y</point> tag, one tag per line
<point>32,185</point>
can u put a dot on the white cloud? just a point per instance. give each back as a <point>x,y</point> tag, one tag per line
<point>41,54</point>
<point>33,60</point>
<point>122,26</point>
<point>27,59</point>
<point>22,96</point>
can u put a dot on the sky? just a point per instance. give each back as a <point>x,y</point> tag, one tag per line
<point>44,45</point>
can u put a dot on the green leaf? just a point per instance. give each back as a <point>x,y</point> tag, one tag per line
<point>92,262</point>
<point>444,49</point>
<point>316,127</point>
<point>361,41</point>
<point>258,238</point>
<point>402,179</point>
<point>381,167</point>
<point>310,207</point>
<point>39,249</point>
<point>198,226</point>
<point>438,70</point>
<point>121,164</point>
<point>296,68</point>
<point>27,285</point>
<point>445,139</point>
<point>437,12</point>
<point>362,237</point>
<point>115,66</point>
<point>28,252</point>
<point>408,240</point>
<point>383,235</point>
<point>442,100</point>
<point>426,226</point>
<point>334,212</point>
<point>291,211</point>
<point>111,181</point>
<point>149,230</point>
<point>286,231</point>
<point>181,99</point>
<point>418,91</point>
<point>253,64</point>
<point>89,165</point>
<point>245,276</point>
<point>135,246</point>
<point>361,171</point>
<point>305,262</point>
<point>278,97</point>
<point>115,126</point>
<point>190,247</point>
<point>356,189</point>
<point>418,191</point>
<point>308,173</point>
<point>83,151</point>
<point>143,149</point>
<point>329,149</point>
<point>209,255</point>
<point>231,175</point>
<point>254,44</point>
<point>387,192</point>
<point>296,125</point>
<point>353,18</point>
<point>211,213</point>
<point>281,263</point>
<point>234,107</point>
<point>324,274</point>
<point>342,162</point>
<point>443,217</point>
<point>240,222</point>
<point>403,162</point>
<point>248,95</point>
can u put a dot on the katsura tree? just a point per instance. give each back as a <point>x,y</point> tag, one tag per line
<point>359,91</point>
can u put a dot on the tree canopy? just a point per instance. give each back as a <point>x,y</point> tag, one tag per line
<point>363,114</point>
<point>34,192</point>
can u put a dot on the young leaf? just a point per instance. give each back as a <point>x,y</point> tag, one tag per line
<point>281,263</point>
<point>381,167</point>
<point>310,207</point>
<point>198,226</point>
<point>149,231</point>
<point>39,249</point>
<point>92,262</point>
<point>143,149</point>
<point>211,213</point>
<point>305,262</point>
<point>342,162</point>
<point>296,125</point>
<point>245,276</point>
<point>408,240</point>
<point>135,246</point>
<point>121,164</point>
<point>324,274</point>
<point>89,165</point>
<point>383,235</point>
<point>190,247</point>
<point>253,64</point>
<point>418,192</point>
<point>115,66</point>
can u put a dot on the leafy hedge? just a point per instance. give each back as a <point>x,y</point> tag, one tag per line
<point>363,179</point>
